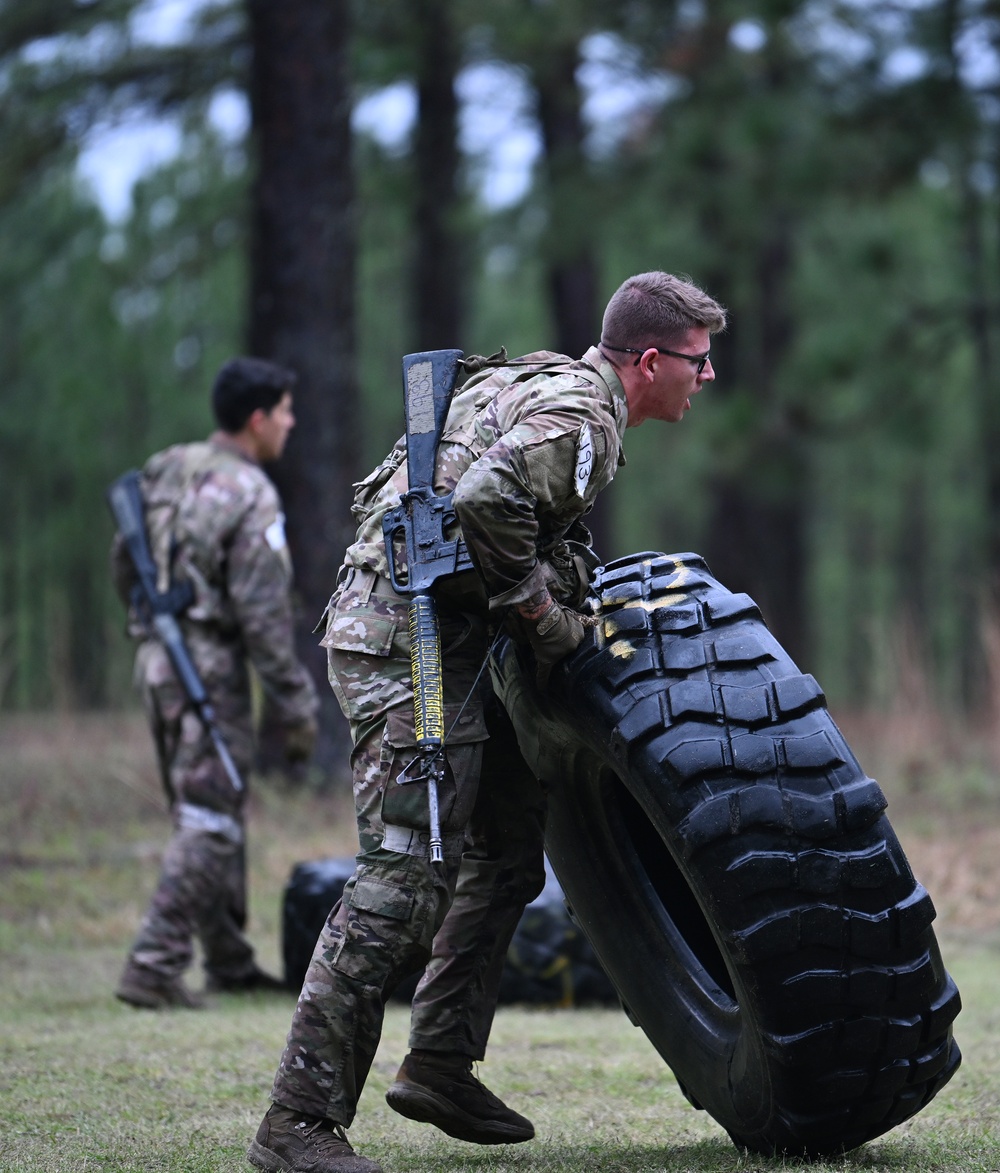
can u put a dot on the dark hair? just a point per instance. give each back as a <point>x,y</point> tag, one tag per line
<point>244,384</point>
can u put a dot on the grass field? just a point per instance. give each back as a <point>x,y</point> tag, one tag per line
<point>88,1084</point>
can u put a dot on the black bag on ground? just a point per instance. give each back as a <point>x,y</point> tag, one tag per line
<point>549,962</point>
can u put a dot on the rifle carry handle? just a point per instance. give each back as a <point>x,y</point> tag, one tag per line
<point>125,502</point>
<point>429,378</point>
<point>419,522</point>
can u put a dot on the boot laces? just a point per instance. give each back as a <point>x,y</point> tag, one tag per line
<point>325,1132</point>
<point>469,1076</point>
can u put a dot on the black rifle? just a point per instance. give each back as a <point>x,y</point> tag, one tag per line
<point>420,521</point>
<point>160,608</point>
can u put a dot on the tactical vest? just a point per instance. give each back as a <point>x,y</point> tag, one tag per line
<point>467,435</point>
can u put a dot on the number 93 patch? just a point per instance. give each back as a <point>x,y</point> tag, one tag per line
<point>584,460</point>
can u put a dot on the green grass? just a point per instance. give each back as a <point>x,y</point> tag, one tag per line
<point>89,1084</point>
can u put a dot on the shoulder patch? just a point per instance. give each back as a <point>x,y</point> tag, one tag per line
<point>584,460</point>
<point>275,533</point>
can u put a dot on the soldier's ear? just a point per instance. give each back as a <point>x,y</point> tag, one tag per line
<point>255,419</point>
<point>645,362</point>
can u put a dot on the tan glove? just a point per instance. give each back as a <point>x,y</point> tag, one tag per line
<point>300,740</point>
<point>553,631</point>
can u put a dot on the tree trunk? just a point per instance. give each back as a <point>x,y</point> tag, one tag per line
<point>438,268</point>
<point>570,261</point>
<point>302,296</point>
<point>570,265</point>
<point>756,533</point>
<point>979,258</point>
<point>756,538</point>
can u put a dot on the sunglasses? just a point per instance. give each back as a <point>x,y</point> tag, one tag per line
<point>699,360</point>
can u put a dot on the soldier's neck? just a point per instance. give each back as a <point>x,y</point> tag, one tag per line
<point>243,443</point>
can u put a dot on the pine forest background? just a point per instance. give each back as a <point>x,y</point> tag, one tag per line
<point>828,170</point>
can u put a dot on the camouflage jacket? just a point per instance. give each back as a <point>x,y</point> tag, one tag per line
<point>214,519</point>
<point>527,447</point>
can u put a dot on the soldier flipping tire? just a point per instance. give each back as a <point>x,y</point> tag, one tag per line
<point>733,868</point>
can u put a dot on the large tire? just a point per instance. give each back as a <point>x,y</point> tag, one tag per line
<point>732,866</point>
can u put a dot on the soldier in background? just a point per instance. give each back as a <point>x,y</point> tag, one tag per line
<point>526,448</point>
<point>214,520</point>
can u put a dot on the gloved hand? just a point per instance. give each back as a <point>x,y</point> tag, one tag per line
<point>553,631</point>
<point>300,740</point>
<point>569,568</point>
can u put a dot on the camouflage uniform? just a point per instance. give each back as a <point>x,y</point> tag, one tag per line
<point>526,448</point>
<point>214,519</point>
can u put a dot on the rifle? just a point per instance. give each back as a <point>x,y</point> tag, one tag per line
<point>161,608</point>
<point>420,519</point>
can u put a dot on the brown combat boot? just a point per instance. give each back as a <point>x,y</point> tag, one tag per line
<point>439,1088</point>
<point>152,991</point>
<point>288,1142</point>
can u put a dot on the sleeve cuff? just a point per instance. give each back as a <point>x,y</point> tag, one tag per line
<point>535,582</point>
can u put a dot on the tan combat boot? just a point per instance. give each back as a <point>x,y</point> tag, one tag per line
<point>152,991</point>
<point>288,1142</point>
<point>439,1088</point>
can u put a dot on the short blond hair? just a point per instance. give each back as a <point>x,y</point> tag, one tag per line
<point>658,308</point>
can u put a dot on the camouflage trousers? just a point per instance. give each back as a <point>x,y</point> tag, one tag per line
<point>400,913</point>
<point>201,892</point>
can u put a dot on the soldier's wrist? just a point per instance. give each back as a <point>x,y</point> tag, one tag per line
<point>534,608</point>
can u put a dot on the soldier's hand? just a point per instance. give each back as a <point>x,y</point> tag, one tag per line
<point>300,740</point>
<point>553,631</point>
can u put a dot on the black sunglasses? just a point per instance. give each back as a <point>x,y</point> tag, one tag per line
<point>700,360</point>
